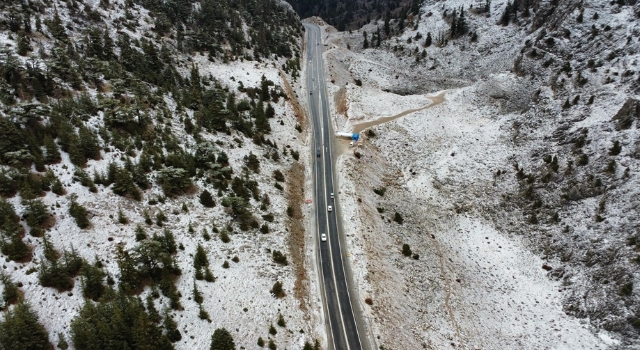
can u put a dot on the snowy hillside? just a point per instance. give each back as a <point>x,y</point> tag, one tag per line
<point>151,165</point>
<point>516,195</point>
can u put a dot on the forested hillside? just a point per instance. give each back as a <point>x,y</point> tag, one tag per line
<point>137,148</point>
<point>347,15</point>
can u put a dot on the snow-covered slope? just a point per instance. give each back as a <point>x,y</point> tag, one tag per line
<point>240,299</point>
<point>517,249</point>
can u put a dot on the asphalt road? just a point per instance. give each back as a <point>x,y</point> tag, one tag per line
<point>344,331</point>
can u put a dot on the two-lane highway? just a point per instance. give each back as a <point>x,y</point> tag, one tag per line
<point>344,331</point>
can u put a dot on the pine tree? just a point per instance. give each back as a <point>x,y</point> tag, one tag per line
<point>200,260</point>
<point>281,321</point>
<point>130,278</point>
<point>124,185</point>
<point>427,41</point>
<point>147,336</point>
<point>23,45</point>
<point>252,162</point>
<point>154,316</point>
<point>277,290</point>
<point>88,143</point>
<point>387,27</point>
<point>10,293</point>
<point>222,340</point>
<point>454,24</point>
<point>52,154</point>
<point>260,118</point>
<point>118,322</point>
<point>197,296</point>
<point>207,200</point>
<point>15,249</point>
<point>56,27</point>
<point>203,314</point>
<point>107,48</point>
<point>76,155</point>
<point>21,330</point>
<point>62,342</point>
<point>461,26</point>
<point>36,214</point>
<point>79,213</point>
<point>140,233</point>
<point>92,281</point>
<point>270,112</point>
<point>264,89</point>
<point>170,325</point>
<point>365,45</point>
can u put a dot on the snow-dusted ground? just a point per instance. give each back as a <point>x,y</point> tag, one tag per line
<point>245,285</point>
<point>479,281</point>
<point>239,300</point>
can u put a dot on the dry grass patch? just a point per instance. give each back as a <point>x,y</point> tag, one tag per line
<point>295,198</point>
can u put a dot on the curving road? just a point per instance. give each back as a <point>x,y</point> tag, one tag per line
<point>344,333</point>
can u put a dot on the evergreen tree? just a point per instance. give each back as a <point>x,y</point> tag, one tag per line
<point>21,330</point>
<point>281,321</point>
<point>461,26</point>
<point>147,336</point>
<point>365,45</point>
<point>56,27</point>
<point>454,24</point>
<point>11,139</point>
<point>171,327</point>
<point>62,342</point>
<point>107,48</point>
<point>10,293</point>
<point>200,260</point>
<point>124,185</point>
<point>261,121</point>
<point>222,340</point>
<point>427,41</point>
<point>252,162</point>
<point>79,213</point>
<point>15,249</point>
<point>154,316</point>
<point>130,278</point>
<point>23,45</point>
<point>270,112</point>
<point>206,199</point>
<point>92,281</point>
<point>197,296</point>
<point>36,214</point>
<point>76,155</point>
<point>88,143</point>
<point>264,89</point>
<point>277,290</point>
<point>52,154</point>
<point>118,322</point>
<point>140,233</point>
<point>387,27</point>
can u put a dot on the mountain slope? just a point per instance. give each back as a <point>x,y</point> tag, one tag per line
<point>517,193</point>
<point>146,153</point>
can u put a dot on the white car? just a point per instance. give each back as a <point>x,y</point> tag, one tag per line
<point>323,237</point>
<point>332,195</point>
<point>329,208</point>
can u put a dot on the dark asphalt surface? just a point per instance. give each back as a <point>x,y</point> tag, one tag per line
<point>344,332</point>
